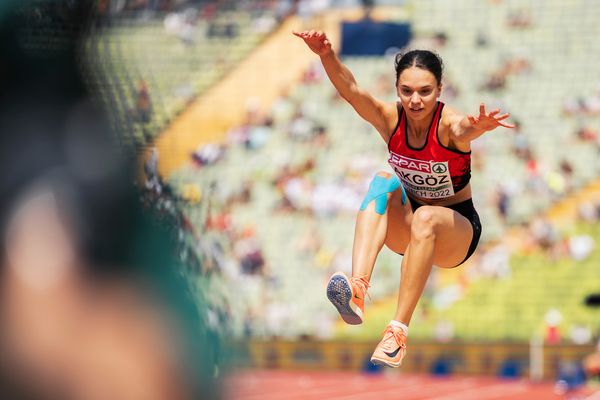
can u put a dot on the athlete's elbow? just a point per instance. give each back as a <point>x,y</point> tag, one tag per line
<point>460,135</point>
<point>468,136</point>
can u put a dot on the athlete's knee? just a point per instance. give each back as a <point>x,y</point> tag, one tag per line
<point>382,184</point>
<point>423,224</point>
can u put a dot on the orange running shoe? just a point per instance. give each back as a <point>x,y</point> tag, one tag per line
<point>348,296</point>
<point>392,348</point>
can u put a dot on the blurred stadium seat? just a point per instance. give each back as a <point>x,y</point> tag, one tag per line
<point>176,55</point>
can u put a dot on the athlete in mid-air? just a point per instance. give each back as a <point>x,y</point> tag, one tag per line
<point>423,211</point>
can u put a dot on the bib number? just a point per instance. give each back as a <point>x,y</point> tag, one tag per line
<point>424,179</point>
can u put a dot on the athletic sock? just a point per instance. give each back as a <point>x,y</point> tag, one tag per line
<point>400,325</point>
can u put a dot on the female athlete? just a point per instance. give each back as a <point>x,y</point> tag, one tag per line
<point>423,211</point>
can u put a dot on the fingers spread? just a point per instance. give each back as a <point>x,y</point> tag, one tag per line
<point>310,34</point>
<point>496,111</point>
<point>503,116</point>
<point>482,109</point>
<point>506,125</point>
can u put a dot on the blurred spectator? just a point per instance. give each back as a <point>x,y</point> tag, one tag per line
<point>482,39</point>
<point>580,105</point>
<point>297,190</point>
<point>264,23</point>
<point>151,171</point>
<point>143,105</point>
<point>553,318</point>
<point>588,211</point>
<point>520,18</point>
<point>572,106</point>
<point>495,262</point>
<point>244,195</point>
<point>441,38</point>
<point>320,137</point>
<point>259,134</point>
<point>209,11</point>
<point>592,105</point>
<point>182,25</point>
<point>283,9</point>
<point>591,363</point>
<point>248,252</point>
<point>513,65</point>
<point>567,172</point>
<point>311,11</point>
<point>226,29</point>
<point>520,143</point>
<point>502,203</point>
<point>208,154</point>
<point>587,134</point>
<point>313,74</point>
<point>545,237</point>
<point>496,81</point>
<point>219,221</point>
<point>367,7</point>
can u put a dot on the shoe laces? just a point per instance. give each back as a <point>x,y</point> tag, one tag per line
<point>397,334</point>
<point>362,284</point>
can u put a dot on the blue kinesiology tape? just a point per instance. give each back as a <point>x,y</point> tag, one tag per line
<point>378,191</point>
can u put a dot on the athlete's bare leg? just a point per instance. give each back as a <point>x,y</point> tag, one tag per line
<point>439,236</point>
<point>347,294</point>
<point>372,229</point>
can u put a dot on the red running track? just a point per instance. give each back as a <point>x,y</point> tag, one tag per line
<point>313,385</point>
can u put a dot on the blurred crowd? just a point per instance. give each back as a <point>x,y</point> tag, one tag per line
<point>303,184</point>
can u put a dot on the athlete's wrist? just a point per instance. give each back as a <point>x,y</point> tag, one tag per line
<point>327,53</point>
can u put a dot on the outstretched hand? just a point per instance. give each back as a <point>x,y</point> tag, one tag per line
<point>488,121</point>
<point>317,41</point>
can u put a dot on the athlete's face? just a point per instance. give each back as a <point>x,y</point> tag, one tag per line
<point>418,91</point>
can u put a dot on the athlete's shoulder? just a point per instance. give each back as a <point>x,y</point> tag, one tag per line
<point>450,115</point>
<point>392,112</point>
<point>394,108</point>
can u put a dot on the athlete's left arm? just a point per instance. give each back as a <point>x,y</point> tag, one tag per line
<point>464,129</point>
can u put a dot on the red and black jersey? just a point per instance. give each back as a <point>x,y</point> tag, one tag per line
<point>433,171</point>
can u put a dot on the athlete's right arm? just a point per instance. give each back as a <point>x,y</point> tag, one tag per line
<point>381,115</point>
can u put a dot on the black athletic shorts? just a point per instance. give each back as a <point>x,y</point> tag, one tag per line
<point>467,210</point>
